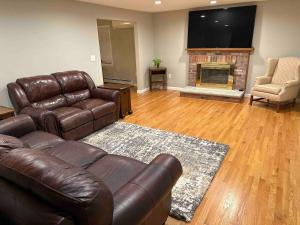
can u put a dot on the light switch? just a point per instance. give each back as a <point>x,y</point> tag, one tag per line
<point>93,58</point>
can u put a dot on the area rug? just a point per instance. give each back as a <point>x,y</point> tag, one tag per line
<point>200,159</point>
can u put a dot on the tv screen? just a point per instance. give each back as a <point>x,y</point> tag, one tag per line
<point>222,28</point>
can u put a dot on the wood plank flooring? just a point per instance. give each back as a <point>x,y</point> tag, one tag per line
<point>259,180</point>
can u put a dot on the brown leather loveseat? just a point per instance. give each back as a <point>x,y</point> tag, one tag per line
<point>66,104</point>
<point>45,180</point>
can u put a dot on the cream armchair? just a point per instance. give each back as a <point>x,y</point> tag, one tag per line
<point>280,84</point>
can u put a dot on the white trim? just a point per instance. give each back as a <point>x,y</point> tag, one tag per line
<point>142,91</point>
<point>247,95</point>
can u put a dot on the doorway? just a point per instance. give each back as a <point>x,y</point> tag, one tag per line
<point>117,50</point>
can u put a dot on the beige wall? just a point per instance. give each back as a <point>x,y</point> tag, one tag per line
<point>276,34</point>
<point>45,36</point>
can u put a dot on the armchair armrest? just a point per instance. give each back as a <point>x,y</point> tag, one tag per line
<point>263,80</point>
<point>109,95</point>
<point>17,126</point>
<point>44,119</point>
<point>70,189</point>
<point>291,83</point>
<point>151,186</point>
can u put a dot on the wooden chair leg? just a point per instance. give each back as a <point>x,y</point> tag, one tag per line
<point>251,100</point>
<point>278,107</point>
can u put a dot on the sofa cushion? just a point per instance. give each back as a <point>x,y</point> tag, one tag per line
<point>38,88</point>
<point>116,170</point>
<point>268,88</point>
<point>98,107</point>
<point>77,96</point>
<point>71,117</point>
<point>51,103</point>
<point>41,140</point>
<point>76,153</point>
<point>7,143</point>
<point>71,81</point>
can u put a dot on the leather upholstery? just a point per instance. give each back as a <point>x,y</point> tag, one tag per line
<point>58,182</point>
<point>50,101</point>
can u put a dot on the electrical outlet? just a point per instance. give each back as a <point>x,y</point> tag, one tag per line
<point>93,58</point>
<point>170,76</point>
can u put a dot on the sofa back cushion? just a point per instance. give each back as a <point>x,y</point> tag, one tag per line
<point>51,103</point>
<point>39,88</point>
<point>71,189</point>
<point>74,86</point>
<point>287,69</point>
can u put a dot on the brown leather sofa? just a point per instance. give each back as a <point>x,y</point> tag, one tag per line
<point>66,104</point>
<point>46,180</point>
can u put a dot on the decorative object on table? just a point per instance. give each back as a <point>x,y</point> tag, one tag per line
<point>158,76</point>
<point>125,101</point>
<point>200,159</point>
<point>157,62</point>
<point>281,83</point>
<point>6,112</point>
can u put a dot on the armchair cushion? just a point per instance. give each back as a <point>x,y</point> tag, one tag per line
<point>98,107</point>
<point>71,117</point>
<point>269,88</point>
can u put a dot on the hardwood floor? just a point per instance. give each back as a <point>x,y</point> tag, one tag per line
<point>259,180</point>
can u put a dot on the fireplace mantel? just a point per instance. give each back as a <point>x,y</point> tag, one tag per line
<point>220,49</point>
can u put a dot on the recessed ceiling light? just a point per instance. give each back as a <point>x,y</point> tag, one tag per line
<point>226,25</point>
<point>213,2</point>
<point>126,23</point>
<point>203,16</point>
<point>217,21</point>
<point>157,2</point>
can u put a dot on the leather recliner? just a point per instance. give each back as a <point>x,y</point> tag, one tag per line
<point>46,180</point>
<point>66,104</point>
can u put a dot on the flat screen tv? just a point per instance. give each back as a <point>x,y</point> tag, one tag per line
<point>222,28</point>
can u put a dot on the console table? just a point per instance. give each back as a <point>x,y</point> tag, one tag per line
<point>125,101</point>
<point>158,76</point>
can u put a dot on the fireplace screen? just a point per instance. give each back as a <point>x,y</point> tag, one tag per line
<point>216,75</point>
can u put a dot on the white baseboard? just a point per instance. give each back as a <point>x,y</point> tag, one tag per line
<point>142,91</point>
<point>174,88</point>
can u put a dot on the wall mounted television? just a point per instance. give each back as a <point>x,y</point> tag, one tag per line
<point>222,28</point>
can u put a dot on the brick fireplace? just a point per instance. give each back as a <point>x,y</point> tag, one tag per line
<point>237,59</point>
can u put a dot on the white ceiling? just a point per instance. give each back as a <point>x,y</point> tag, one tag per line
<point>167,5</point>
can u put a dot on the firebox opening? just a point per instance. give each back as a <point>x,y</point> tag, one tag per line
<point>215,75</point>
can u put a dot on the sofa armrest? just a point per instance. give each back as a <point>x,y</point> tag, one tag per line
<point>17,126</point>
<point>69,189</point>
<point>263,80</point>
<point>151,186</point>
<point>44,119</point>
<point>20,207</point>
<point>109,95</point>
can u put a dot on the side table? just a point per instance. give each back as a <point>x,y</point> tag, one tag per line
<point>125,101</point>
<point>6,112</point>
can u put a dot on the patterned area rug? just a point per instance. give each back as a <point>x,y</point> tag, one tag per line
<point>200,159</point>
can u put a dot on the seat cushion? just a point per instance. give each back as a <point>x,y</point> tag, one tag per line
<point>98,107</point>
<point>40,140</point>
<point>268,88</point>
<point>76,153</point>
<point>116,170</point>
<point>71,117</point>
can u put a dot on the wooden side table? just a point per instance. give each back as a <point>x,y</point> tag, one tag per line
<point>6,112</point>
<point>125,101</point>
<point>158,76</point>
